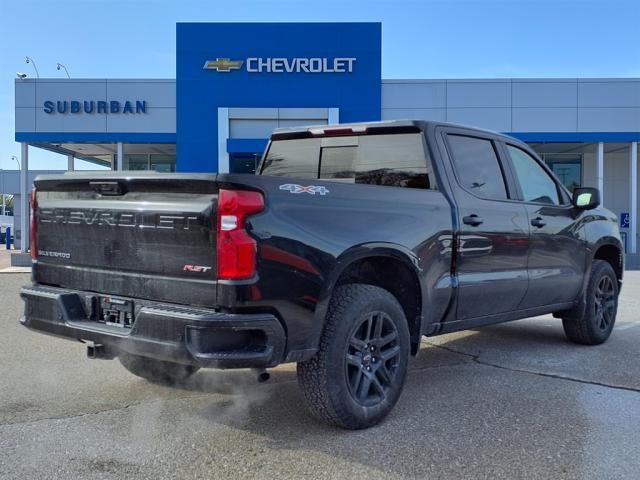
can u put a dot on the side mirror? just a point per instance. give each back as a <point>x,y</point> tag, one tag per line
<point>586,198</point>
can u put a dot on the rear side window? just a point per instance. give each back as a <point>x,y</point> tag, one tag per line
<point>477,167</point>
<point>293,158</point>
<point>398,160</point>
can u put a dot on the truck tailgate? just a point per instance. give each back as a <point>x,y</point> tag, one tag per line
<point>146,235</point>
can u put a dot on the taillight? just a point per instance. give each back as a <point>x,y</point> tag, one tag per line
<point>34,224</point>
<point>236,248</point>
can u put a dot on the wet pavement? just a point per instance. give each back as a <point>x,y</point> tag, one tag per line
<point>509,401</point>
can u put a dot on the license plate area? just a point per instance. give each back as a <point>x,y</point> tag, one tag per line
<point>117,312</point>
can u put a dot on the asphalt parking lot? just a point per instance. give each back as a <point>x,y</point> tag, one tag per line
<point>509,401</point>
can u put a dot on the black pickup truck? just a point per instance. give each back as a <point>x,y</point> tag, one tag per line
<point>349,244</point>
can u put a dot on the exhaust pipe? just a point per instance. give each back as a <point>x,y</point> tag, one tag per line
<point>261,374</point>
<point>100,352</point>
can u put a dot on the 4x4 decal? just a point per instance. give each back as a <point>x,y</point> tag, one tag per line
<point>310,189</point>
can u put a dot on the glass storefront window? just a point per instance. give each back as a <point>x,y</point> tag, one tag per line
<point>136,162</point>
<point>244,162</point>
<point>162,163</point>
<point>150,161</point>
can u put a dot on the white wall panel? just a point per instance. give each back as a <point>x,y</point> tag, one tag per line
<point>240,128</point>
<point>157,93</point>
<point>414,95</point>
<point>609,119</point>
<point>253,113</point>
<point>70,90</point>
<point>498,119</point>
<point>60,122</point>
<point>544,93</point>
<point>300,122</point>
<point>156,120</point>
<point>544,120</point>
<point>466,94</point>
<point>610,93</point>
<point>25,94</point>
<point>25,119</point>
<point>303,113</point>
<point>434,114</point>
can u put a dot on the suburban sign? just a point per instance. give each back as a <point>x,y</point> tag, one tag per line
<point>94,106</point>
<point>284,65</point>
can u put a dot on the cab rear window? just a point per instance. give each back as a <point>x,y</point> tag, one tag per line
<point>398,160</point>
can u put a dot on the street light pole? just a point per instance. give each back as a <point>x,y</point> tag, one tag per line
<point>17,161</point>
<point>61,65</point>
<point>30,60</point>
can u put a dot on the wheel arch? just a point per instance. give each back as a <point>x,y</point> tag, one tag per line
<point>610,249</point>
<point>389,266</point>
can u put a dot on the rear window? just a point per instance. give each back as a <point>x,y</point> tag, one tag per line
<point>398,160</point>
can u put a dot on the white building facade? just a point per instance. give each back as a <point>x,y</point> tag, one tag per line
<point>218,118</point>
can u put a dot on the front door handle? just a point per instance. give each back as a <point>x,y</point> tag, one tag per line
<point>538,222</point>
<point>473,220</point>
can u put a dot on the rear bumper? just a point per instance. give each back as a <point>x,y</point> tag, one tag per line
<point>193,336</point>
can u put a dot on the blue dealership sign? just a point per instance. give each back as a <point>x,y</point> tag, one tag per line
<point>270,65</point>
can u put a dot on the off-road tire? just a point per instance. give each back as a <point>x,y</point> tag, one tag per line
<point>330,381</point>
<point>156,371</point>
<point>596,320</point>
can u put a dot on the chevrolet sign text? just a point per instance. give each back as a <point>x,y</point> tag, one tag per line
<point>283,65</point>
<point>297,65</point>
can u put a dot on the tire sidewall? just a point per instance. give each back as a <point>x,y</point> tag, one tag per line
<point>600,270</point>
<point>339,393</point>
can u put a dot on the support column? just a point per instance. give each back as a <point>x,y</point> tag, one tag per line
<point>2,186</point>
<point>70,163</point>
<point>633,198</point>
<point>24,197</point>
<point>223,136</point>
<point>600,170</point>
<point>334,116</point>
<point>120,157</point>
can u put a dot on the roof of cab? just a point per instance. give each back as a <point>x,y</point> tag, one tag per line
<point>363,128</point>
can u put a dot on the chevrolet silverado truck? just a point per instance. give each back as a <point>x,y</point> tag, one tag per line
<point>349,244</point>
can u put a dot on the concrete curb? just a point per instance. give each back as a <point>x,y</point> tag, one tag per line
<point>16,270</point>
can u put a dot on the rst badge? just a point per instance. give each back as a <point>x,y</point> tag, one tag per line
<point>195,268</point>
<point>310,189</point>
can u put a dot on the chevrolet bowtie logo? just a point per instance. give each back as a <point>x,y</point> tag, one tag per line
<point>223,64</point>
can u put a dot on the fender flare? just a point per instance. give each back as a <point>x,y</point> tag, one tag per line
<point>580,304</point>
<point>345,260</point>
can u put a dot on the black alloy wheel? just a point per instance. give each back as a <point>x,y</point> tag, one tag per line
<point>605,303</point>
<point>372,358</point>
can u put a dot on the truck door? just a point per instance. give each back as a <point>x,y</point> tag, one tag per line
<point>493,235</point>
<point>556,263</point>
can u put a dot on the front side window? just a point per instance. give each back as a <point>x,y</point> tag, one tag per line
<point>536,184</point>
<point>477,166</point>
<point>567,167</point>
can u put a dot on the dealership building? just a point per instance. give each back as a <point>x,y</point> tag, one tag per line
<point>236,82</point>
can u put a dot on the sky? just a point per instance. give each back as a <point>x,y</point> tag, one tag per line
<point>420,39</point>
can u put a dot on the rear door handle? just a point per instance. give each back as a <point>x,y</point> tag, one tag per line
<point>473,220</point>
<point>538,222</point>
